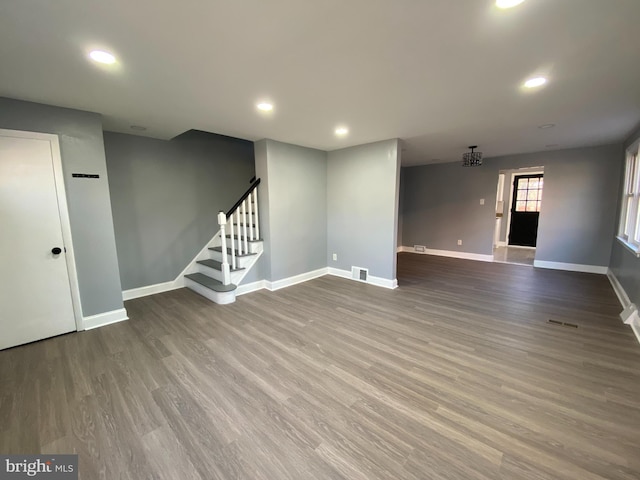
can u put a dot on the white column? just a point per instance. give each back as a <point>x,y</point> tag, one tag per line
<point>250,217</point>
<point>238,230</point>
<point>233,243</point>
<point>226,275</point>
<point>255,209</point>
<point>244,226</point>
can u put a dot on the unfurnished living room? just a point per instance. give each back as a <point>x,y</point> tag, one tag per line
<point>320,240</point>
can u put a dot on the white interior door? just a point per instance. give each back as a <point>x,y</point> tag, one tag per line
<point>36,295</point>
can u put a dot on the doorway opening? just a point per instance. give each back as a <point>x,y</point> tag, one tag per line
<point>519,200</point>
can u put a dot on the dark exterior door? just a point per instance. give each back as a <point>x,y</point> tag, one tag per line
<point>525,210</point>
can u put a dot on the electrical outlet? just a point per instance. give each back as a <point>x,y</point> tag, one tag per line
<point>335,257</point>
<point>482,201</point>
<point>459,242</point>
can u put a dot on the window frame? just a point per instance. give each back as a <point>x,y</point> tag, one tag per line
<point>629,221</point>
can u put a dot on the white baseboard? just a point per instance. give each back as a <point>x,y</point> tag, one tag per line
<point>502,244</point>
<point>250,287</point>
<point>303,277</point>
<point>150,290</point>
<point>450,253</point>
<point>635,326</point>
<point>625,301</point>
<point>571,267</point>
<point>377,281</point>
<point>106,318</point>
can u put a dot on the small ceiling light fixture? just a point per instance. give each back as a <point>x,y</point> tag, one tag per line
<point>101,56</point>
<point>138,128</point>
<point>535,82</point>
<point>508,3</point>
<point>472,159</point>
<point>342,131</point>
<point>547,125</point>
<point>265,106</point>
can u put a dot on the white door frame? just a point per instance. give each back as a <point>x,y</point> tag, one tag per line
<point>513,177</point>
<point>63,210</point>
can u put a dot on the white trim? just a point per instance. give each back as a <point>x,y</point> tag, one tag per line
<point>624,299</point>
<point>221,298</point>
<point>513,179</point>
<point>191,266</point>
<point>149,290</point>
<point>635,326</point>
<point>63,210</point>
<point>449,253</point>
<point>501,244</point>
<point>250,287</point>
<point>303,277</point>
<point>377,281</point>
<point>630,314</point>
<point>103,319</point>
<point>572,267</point>
<point>630,246</point>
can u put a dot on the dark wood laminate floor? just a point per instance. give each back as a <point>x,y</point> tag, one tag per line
<point>455,375</point>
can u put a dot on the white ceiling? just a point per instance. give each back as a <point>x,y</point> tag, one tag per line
<point>439,74</point>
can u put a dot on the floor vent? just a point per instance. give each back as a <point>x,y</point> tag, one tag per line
<point>562,324</point>
<point>358,273</point>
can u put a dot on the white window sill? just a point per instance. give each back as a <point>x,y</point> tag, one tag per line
<point>632,248</point>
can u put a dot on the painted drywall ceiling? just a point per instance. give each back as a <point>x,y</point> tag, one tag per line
<point>439,74</point>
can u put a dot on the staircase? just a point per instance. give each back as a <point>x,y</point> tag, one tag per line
<point>224,262</point>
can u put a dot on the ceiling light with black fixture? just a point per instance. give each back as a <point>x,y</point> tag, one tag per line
<point>472,159</point>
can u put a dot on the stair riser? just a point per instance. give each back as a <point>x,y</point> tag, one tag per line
<point>242,262</point>
<point>211,272</point>
<point>222,298</point>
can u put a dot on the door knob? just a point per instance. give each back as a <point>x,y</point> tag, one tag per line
<point>56,250</point>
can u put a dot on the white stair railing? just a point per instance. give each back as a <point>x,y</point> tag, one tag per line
<point>245,213</point>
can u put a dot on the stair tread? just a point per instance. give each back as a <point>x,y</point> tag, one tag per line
<point>216,265</point>
<point>219,249</point>
<point>210,283</point>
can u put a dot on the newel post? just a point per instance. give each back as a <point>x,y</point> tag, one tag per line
<point>226,275</point>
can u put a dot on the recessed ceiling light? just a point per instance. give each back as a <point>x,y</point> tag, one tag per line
<point>508,3</point>
<point>265,106</point>
<point>535,82</point>
<point>342,131</point>
<point>547,125</point>
<point>138,128</point>
<point>101,56</point>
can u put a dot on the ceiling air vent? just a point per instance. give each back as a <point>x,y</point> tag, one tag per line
<point>358,273</point>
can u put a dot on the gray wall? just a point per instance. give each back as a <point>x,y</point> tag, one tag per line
<point>577,218</point>
<point>293,202</point>
<point>166,195</point>
<point>82,151</point>
<point>362,215</point>
<point>624,264</point>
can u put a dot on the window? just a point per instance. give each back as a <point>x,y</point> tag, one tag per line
<point>629,232</point>
<point>528,193</point>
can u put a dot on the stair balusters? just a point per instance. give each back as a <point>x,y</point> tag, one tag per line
<point>244,215</point>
